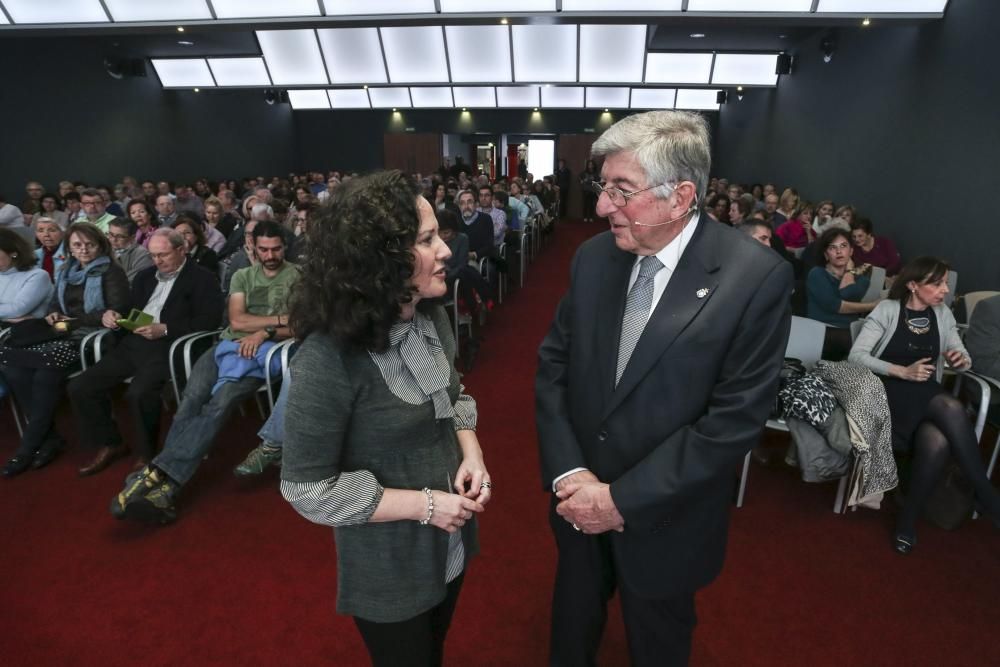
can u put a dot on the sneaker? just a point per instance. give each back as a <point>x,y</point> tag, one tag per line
<point>258,460</point>
<point>147,496</point>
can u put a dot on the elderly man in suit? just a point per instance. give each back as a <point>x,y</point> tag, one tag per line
<point>183,298</point>
<point>654,381</point>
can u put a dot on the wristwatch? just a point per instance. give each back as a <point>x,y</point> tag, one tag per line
<point>271,332</point>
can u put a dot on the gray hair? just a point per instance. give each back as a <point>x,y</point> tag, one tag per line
<point>175,237</point>
<point>262,212</point>
<point>670,146</point>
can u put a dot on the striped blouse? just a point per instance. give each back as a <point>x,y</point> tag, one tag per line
<point>416,371</point>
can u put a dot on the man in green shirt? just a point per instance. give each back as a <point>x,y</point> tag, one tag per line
<point>93,207</point>
<point>258,307</point>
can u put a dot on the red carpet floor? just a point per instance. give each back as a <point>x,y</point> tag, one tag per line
<point>241,579</point>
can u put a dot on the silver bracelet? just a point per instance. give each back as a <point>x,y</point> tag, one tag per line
<point>430,507</point>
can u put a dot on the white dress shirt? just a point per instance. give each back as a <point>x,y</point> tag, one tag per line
<point>160,293</point>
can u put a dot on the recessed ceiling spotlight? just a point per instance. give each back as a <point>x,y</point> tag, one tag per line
<point>180,28</point>
<point>697,35</point>
<point>782,36</point>
<point>536,108</point>
<point>503,21</point>
<point>867,22</point>
<point>184,42</point>
<point>605,111</point>
<point>739,87</point>
<point>465,109</point>
<point>366,86</point>
<point>197,90</point>
<point>395,109</point>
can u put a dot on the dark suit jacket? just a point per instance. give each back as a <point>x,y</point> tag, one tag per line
<point>195,303</point>
<point>692,402</point>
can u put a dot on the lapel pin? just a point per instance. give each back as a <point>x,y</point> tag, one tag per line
<point>702,293</point>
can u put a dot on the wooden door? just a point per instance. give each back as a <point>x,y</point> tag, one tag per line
<point>575,149</point>
<point>412,152</point>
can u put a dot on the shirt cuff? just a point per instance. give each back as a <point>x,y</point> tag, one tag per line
<point>466,413</point>
<point>564,475</point>
<point>342,500</point>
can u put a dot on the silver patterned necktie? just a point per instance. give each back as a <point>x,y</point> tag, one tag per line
<point>640,298</point>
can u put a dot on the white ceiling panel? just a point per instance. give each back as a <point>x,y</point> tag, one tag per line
<point>497,6</point>
<point>479,53</point>
<point>158,10</point>
<point>308,99</point>
<point>475,96</point>
<point>612,98</point>
<point>562,97</point>
<point>678,67</point>
<point>431,97</point>
<point>697,98</point>
<point>748,69</point>
<point>749,5</point>
<point>56,11</point>
<point>239,71</point>
<point>621,6</point>
<point>183,72</point>
<point>252,9</point>
<point>293,57</point>
<point>358,7</point>
<point>349,98</point>
<point>353,55</point>
<point>653,98</point>
<point>511,97</point>
<point>389,98</point>
<point>3,19</point>
<point>881,6</point>
<point>544,52</point>
<point>612,53</point>
<point>415,54</point>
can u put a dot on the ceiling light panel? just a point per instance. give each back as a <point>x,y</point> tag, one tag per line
<point>880,6</point>
<point>415,54</point>
<point>55,11</point>
<point>747,69</point>
<point>479,53</point>
<point>252,9</point>
<point>353,55</point>
<point>349,98</point>
<point>308,99</point>
<point>678,67</point>
<point>389,98</point>
<point>599,98</point>
<point>356,7</point>
<point>515,97</point>
<point>158,10</point>
<point>239,71</point>
<point>498,6</point>
<point>697,98</point>
<point>621,6</point>
<point>475,96</point>
<point>431,98</point>
<point>612,53</point>
<point>562,97</point>
<point>3,19</point>
<point>743,6</point>
<point>292,57</point>
<point>653,98</point>
<point>544,52</point>
<point>183,72</point>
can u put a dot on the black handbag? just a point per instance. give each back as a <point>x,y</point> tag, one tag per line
<point>27,333</point>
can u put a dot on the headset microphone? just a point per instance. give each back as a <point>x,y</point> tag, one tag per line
<point>692,209</point>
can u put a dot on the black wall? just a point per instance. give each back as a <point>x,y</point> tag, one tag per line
<point>902,124</point>
<point>63,117</point>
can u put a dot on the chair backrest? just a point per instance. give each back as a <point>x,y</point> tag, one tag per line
<point>949,298</point>
<point>973,298</point>
<point>805,342</point>
<point>874,292</point>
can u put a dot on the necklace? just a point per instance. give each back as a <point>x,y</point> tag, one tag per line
<point>918,324</point>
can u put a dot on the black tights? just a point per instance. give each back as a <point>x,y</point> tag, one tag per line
<point>38,391</point>
<point>945,432</point>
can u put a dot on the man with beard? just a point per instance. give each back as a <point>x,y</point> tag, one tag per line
<point>478,226</point>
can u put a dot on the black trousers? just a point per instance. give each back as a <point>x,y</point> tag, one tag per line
<point>37,391</point>
<point>658,630</point>
<point>415,642</point>
<point>90,393</point>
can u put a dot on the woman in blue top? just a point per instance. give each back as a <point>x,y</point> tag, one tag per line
<point>25,289</point>
<point>834,292</point>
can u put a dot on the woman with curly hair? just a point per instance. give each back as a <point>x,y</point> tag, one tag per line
<point>380,438</point>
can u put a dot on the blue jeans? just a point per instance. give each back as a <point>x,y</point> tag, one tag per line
<point>272,433</point>
<point>200,417</point>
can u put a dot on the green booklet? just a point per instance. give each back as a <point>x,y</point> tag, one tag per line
<point>136,319</point>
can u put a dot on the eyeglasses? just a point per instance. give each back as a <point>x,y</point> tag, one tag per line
<point>89,245</point>
<point>620,197</point>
